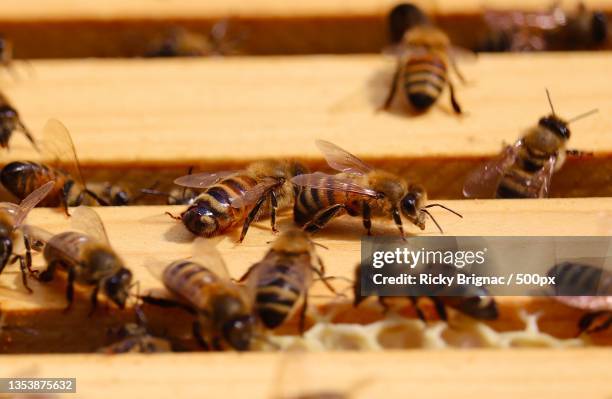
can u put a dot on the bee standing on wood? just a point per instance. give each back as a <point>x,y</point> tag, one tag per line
<point>10,122</point>
<point>525,169</point>
<point>238,197</point>
<point>423,59</point>
<point>21,178</point>
<point>86,256</point>
<point>552,29</point>
<point>282,279</point>
<point>358,190</point>
<point>468,299</point>
<point>12,217</point>
<point>585,287</point>
<point>223,310</point>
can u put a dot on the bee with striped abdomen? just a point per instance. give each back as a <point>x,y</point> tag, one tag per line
<point>12,217</point>
<point>358,190</point>
<point>21,178</point>
<point>87,258</point>
<point>525,169</point>
<point>423,59</point>
<point>11,122</point>
<point>232,198</point>
<point>467,299</point>
<point>585,287</point>
<point>223,309</point>
<point>281,280</point>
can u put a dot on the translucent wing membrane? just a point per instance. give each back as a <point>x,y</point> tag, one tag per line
<point>330,182</point>
<point>483,182</point>
<point>58,144</point>
<point>88,221</point>
<point>36,233</point>
<point>202,180</point>
<point>31,201</point>
<point>342,160</point>
<point>250,197</point>
<point>205,253</point>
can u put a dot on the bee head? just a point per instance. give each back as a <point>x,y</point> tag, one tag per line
<point>120,198</point>
<point>199,220</point>
<point>6,250</point>
<point>599,27</point>
<point>412,203</point>
<point>117,286</point>
<point>556,125</point>
<point>403,17</point>
<point>236,327</point>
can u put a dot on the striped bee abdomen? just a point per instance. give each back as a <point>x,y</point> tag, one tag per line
<point>21,178</point>
<point>277,292</point>
<point>66,247</point>
<point>310,200</point>
<point>424,79</point>
<point>188,280</point>
<point>211,213</point>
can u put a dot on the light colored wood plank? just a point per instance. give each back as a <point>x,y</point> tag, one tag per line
<point>508,374</point>
<point>142,233</point>
<point>180,113</point>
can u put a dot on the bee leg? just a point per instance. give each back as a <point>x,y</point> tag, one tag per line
<point>323,217</point>
<point>28,256</point>
<point>166,303</point>
<point>454,102</point>
<point>586,322</point>
<point>197,335</point>
<point>455,67</point>
<point>579,153</point>
<point>393,88</point>
<point>273,208</point>
<point>70,289</point>
<point>324,280</point>
<point>415,304</point>
<point>49,272</point>
<point>23,129</point>
<point>250,217</point>
<point>23,268</point>
<point>397,218</point>
<point>367,217</point>
<point>440,308</point>
<point>94,300</point>
<point>64,198</point>
<point>302,321</point>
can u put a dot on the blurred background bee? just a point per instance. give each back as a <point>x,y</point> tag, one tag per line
<point>467,299</point>
<point>20,178</point>
<point>12,217</point>
<point>549,30</point>
<point>585,287</point>
<point>176,196</point>
<point>86,256</point>
<point>223,310</point>
<point>181,42</point>
<point>231,198</point>
<point>424,54</point>
<point>281,280</point>
<point>525,169</point>
<point>11,122</point>
<point>359,190</point>
<point>135,338</point>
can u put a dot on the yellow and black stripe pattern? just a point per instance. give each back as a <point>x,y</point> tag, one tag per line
<point>424,78</point>
<point>190,280</point>
<point>278,290</point>
<point>515,182</point>
<point>211,213</point>
<point>22,178</point>
<point>311,200</point>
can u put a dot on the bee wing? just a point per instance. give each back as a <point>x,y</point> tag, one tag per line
<point>58,144</point>
<point>36,233</point>
<point>31,201</point>
<point>543,177</point>
<point>330,182</point>
<point>205,253</point>
<point>251,196</point>
<point>88,221</point>
<point>482,182</point>
<point>342,160</point>
<point>202,180</point>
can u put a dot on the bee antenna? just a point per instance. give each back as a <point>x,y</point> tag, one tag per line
<point>318,244</point>
<point>584,115</point>
<point>444,207</point>
<point>550,102</point>
<point>433,219</point>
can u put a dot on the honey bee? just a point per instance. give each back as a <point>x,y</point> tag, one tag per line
<point>223,310</point>
<point>468,299</point>
<point>177,196</point>
<point>403,17</point>
<point>22,178</point>
<point>86,257</point>
<point>134,338</point>
<point>423,59</point>
<point>552,29</point>
<point>12,217</point>
<point>525,169</point>
<point>180,42</point>
<point>234,197</point>
<point>281,280</point>
<point>10,121</point>
<point>585,287</point>
<point>358,190</point>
